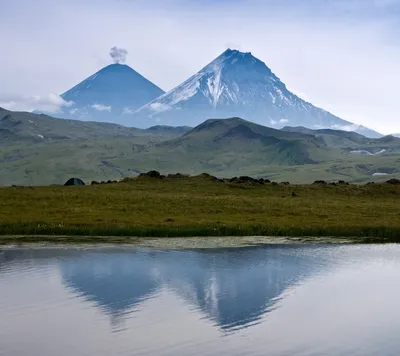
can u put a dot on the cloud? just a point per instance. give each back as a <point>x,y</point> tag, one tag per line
<point>101,107</point>
<point>159,107</point>
<point>283,121</point>
<point>51,103</point>
<point>353,127</point>
<point>127,111</point>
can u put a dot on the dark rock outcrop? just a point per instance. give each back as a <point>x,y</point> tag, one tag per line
<point>393,181</point>
<point>342,182</point>
<point>321,182</point>
<point>151,174</point>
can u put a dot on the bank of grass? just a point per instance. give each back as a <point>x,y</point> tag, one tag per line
<point>199,206</point>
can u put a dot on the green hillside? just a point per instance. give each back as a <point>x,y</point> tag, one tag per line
<point>40,150</point>
<point>24,125</point>
<point>231,145</point>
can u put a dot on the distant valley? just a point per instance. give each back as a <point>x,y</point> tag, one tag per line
<point>41,150</point>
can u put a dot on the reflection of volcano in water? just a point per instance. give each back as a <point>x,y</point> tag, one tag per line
<point>115,281</point>
<point>232,287</point>
<point>235,287</point>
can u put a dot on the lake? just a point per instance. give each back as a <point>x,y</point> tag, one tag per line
<point>268,300</point>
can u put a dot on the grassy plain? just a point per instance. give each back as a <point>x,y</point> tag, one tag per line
<point>199,206</point>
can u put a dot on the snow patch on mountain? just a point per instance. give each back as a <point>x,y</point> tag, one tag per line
<point>159,107</point>
<point>368,153</point>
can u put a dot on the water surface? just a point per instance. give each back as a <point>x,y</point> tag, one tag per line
<point>271,300</point>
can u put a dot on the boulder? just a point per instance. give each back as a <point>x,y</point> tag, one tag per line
<point>321,182</point>
<point>151,174</point>
<point>393,181</point>
<point>247,179</point>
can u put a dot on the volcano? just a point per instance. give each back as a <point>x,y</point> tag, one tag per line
<point>109,94</point>
<point>237,84</point>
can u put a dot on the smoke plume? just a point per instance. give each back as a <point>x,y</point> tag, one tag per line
<point>118,54</point>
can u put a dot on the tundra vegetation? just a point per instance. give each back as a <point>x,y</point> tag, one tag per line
<point>153,205</point>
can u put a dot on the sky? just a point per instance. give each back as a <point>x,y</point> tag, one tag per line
<point>341,55</point>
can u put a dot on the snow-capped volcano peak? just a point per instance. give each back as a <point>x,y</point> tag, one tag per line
<point>223,75</point>
<point>235,84</point>
<point>219,83</point>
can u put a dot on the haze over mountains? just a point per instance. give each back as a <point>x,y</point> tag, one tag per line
<point>235,84</point>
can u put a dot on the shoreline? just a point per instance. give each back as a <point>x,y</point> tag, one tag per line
<point>194,242</point>
<point>53,233</point>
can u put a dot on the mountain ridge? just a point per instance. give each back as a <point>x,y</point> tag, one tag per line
<point>222,147</point>
<point>40,127</point>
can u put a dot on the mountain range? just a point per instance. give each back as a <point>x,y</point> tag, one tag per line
<point>235,84</point>
<point>41,150</point>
